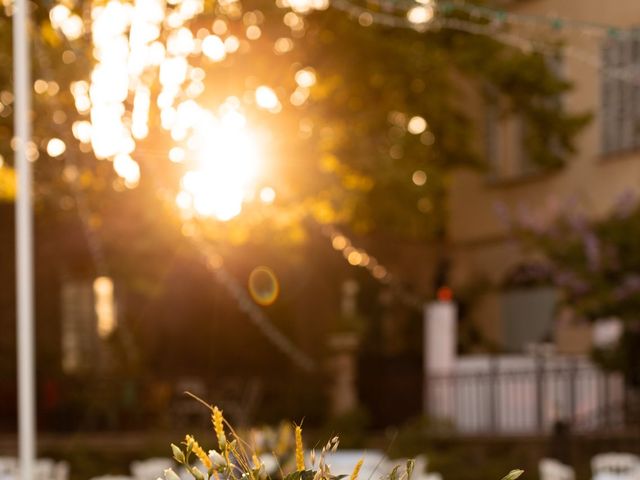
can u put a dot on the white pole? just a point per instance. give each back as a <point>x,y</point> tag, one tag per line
<point>24,242</point>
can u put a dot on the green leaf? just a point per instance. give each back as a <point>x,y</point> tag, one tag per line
<point>177,453</point>
<point>301,475</point>
<point>394,473</point>
<point>411,463</point>
<point>513,474</point>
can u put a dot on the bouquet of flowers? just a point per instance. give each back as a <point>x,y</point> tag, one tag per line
<point>237,459</point>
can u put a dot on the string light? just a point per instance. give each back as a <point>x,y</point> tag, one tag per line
<point>551,22</point>
<point>501,16</point>
<point>420,14</point>
<point>359,257</point>
<point>215,264</point>
<point>495,29</point>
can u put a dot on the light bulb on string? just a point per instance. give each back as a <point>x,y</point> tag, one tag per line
<point>420,15</point>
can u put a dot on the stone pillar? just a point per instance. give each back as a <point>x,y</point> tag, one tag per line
<point>439,357</point>
<point>343,372</point>
<point>343,347</point>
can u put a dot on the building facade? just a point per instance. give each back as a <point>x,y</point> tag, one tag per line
<point>606,165</point>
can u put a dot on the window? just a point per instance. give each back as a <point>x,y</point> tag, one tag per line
<point>527,316</point>
<point>620,97</point>
<point>508,159</point>
<point>88,315</point>
<point>78,326</point>
<point>104,305</point>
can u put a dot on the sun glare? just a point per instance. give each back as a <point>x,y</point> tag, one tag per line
<point>226,164</point>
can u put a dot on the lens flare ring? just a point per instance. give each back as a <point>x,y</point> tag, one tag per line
<point>263,286</point>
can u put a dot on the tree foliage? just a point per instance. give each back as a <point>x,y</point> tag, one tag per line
<point>346,155</point>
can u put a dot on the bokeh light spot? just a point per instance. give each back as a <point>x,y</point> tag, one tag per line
<point>263,286</point>
<point>56,147</point>
<point>253,32</point>
<point>267,195</point>
<point>306,77</point>
<point>379,272</point>
<point>424,205</point>
<point>213,47</point>
<point>266,98</point>
<point>354,258</point>
<point>417,125</point>
<point>420,14</point>
<point>419,178</point>
<point>339,242</point>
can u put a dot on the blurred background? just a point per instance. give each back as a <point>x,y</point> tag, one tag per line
<point>413,224</point>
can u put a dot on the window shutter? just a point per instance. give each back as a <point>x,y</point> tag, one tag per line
<point>620,98</point>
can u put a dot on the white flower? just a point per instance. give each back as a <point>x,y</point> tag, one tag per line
<point>169,474</point>
<point>200,476</point>
<point>216,459</point>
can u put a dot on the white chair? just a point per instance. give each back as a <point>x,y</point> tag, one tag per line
<point>270,463</point>
<point>182,473</point>
<point>420,466</point>
<point>432,476</point>
<point>150,469</point>
<point>8,465</point>
<point>112,477</point>
<point>342,462</point>
<point>43,469</point>
<point>550,469</point>
<point>61,471</point>
<point>614,466</point>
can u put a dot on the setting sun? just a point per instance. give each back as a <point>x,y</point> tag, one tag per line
<point>226,164</point>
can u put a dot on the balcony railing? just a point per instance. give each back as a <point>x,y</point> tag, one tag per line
<point>514,395</point>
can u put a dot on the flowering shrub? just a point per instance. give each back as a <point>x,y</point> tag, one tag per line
<point>595,262</point>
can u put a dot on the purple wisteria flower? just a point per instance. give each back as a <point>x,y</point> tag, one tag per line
<point>630,286</point>
<point>625,204</point>
<point>571,282</point>
<point>592,250</point>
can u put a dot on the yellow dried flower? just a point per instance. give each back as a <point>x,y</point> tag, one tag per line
<point>299,451</point>
<point>199,452</point>
<point>256,461</point>
<point>356,470</point>
<point>284,438</point>
<point>218,426</point>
